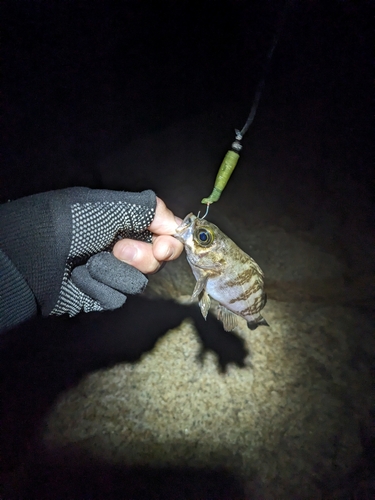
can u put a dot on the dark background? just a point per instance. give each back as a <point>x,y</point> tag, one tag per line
<point>83,78</point>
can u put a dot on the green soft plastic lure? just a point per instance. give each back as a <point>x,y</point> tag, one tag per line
<point>225,171</point>
<point>231,158</point>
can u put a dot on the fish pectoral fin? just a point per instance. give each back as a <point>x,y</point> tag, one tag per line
<point>229,319</point>
<point>199,287</point>
<point>204,303</point>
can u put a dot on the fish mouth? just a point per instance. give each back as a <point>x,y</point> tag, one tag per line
<point>185,228</point>
<point>178,237</point>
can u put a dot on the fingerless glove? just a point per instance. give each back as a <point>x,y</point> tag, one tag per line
<point>55,251</point>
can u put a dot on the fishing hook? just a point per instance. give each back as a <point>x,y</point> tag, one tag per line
<point>207,209</point>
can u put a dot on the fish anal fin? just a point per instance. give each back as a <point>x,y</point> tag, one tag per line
<point>204,303</point>
<point>229,319</point>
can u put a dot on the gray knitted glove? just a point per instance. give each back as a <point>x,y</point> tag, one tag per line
<point>60,243</point>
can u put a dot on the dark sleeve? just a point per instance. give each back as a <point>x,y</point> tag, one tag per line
<point>17,301</point>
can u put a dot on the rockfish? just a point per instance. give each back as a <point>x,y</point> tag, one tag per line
<point>224,272</point>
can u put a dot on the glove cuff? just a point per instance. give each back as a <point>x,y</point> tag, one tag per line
<point>17,302</point>
<point>29,239</point>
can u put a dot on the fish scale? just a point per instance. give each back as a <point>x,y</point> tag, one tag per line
<point>223,272</point>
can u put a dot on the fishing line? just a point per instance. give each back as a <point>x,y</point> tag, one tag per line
<point>231,158</point>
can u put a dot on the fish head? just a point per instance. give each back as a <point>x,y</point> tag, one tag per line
<point>202,240</point>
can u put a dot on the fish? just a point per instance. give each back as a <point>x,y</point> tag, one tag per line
<point>223,272</point>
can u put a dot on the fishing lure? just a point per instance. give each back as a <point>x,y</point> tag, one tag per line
<point>225,171</point>
<point>231,158</point>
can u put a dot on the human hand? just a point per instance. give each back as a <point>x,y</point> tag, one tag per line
<point>60,245</point>
<point>149,258</point>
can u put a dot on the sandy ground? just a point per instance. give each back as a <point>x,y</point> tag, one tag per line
<point>282,412</point>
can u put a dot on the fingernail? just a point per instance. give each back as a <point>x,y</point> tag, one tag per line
<point>129,253</point>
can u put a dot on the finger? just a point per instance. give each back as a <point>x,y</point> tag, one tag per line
<point>166,248</point>
<point>107,297</point>
<point>105,268</point>
<point>165,222</point>
<point>138,254</point>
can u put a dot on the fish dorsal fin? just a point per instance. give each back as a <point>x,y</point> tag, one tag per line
<point>204,303</point>
<point>229,319</point>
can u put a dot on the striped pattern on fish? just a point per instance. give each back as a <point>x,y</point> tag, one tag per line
<point>224,272</point>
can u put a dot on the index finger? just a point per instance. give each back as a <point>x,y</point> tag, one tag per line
<point>165,222</point>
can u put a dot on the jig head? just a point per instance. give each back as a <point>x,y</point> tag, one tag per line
<point>206,212</point>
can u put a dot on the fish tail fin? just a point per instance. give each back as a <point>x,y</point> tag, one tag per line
<point>263,322</point>
<point>260,321</point>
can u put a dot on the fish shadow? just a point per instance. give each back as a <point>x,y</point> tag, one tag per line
<point>44,357</point>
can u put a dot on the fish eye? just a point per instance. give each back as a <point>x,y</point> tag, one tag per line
<point>203,237</point>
